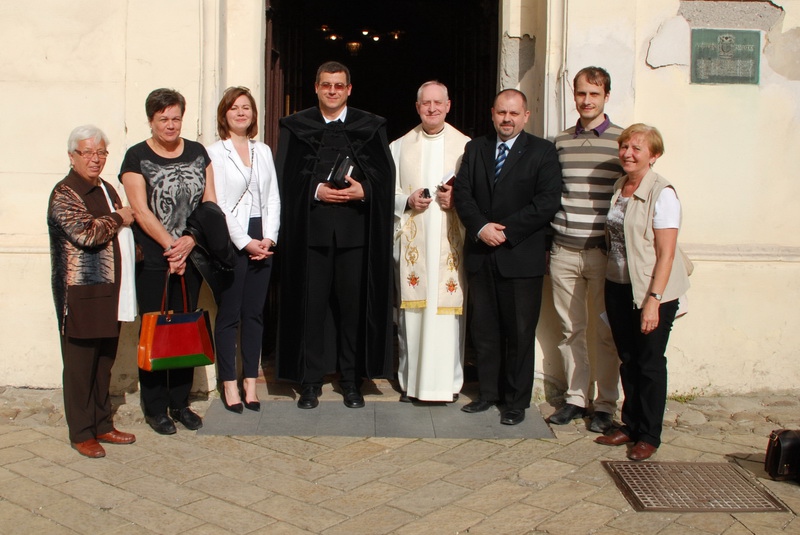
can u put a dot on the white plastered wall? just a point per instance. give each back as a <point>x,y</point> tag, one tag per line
<point>90,61</point>
<point>731,152</point>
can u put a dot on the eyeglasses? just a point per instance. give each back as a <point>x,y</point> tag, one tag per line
<point>90,154</point>
<point>338,86</point>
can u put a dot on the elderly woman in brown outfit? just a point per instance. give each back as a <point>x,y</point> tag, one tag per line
<point>84,219</point>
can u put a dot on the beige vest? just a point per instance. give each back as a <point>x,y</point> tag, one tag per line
<point>640,241</point>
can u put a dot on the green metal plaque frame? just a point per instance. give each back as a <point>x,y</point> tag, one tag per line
<point>725,56</point>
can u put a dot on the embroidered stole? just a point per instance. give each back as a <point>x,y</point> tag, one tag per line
<point>414,279</point>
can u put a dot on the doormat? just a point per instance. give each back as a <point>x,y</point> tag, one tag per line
<point>682,487</point>
<point>376,419</point>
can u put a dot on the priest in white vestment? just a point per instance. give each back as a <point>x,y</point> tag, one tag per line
<point>429,240</point>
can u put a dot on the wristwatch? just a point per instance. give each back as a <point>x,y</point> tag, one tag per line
<point>655,296</point>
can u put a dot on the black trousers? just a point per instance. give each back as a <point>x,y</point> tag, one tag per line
<point>643,367</point>
<point>336,283</point>
<point>241,311</point>
<point>87,377</point>
<point>503,315</point>
<point>166,389</point>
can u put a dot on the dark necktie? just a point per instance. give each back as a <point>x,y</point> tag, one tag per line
<point>500,160</point>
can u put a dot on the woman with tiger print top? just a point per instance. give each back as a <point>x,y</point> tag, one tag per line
<point>166,177</point>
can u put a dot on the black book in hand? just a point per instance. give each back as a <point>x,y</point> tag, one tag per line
<point>340,169</point>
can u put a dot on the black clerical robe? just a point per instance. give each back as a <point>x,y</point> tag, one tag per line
<point>298,164</point>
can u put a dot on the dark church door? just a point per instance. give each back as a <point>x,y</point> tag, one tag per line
<point>391,48</point>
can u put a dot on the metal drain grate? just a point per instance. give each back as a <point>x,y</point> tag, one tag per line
<point>691,487</point>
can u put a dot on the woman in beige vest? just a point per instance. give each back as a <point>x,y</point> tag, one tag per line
<point>645,278</point>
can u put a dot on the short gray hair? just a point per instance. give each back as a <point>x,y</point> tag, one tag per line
<point>87,131</point>
<point>432,82</point>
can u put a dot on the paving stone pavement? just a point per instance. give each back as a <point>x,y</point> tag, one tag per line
<point>186,483</point>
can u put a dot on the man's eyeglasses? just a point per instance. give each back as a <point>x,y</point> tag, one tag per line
<point>338,86</point>
<point>90,154</point>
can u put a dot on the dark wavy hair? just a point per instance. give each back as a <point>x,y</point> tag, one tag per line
<point>161,99</point>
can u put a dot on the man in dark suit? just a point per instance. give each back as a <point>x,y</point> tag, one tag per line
<point>506,192</point>
<point>335,257</point>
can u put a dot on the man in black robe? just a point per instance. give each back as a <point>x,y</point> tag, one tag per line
<point>335,257</point>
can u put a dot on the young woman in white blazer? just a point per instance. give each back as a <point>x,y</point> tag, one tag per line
<point>247,191</point>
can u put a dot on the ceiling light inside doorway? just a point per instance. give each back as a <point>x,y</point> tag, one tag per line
<point>353,47</point>
<point>356,40</point>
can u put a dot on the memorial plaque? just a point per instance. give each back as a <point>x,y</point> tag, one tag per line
<point>725,56</point>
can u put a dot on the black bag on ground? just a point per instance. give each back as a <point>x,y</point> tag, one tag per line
<point>783,455</point>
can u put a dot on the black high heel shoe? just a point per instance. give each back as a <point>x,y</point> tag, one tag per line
<point>252,405</point>
<point>249,405</point>
<point>238,408</point>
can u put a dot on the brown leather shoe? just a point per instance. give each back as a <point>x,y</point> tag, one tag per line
<point>89,448</point>
<point>617,438</point>
<point>641,451</point>
<point>117,437</point>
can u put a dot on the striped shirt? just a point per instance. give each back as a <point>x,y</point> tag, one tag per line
<point>590,167</point>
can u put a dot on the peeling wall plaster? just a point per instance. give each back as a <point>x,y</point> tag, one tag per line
<point>751,15</point>
<point>783,52</point>
<point>663,50</point>
<point>518,58</point>
<point>670,46</point>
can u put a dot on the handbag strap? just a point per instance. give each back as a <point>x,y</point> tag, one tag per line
<point>164,297</point>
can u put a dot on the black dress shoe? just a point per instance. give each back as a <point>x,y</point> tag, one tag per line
<point>478,406</point>
<point>566,414</point>
<point>455,397</point>
<point>187,417</point>
<point>353,398</point>
<point>404,397</point>
<point>601,422</point>
<point>513,417</point>
<point>309,397</point>
<point>252,405</point>
<point>161,424</point>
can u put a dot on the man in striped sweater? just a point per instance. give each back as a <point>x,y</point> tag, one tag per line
<point>590,165</point>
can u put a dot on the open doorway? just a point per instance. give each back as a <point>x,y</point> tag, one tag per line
<point>391,47</point>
